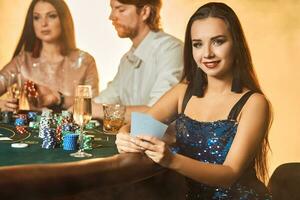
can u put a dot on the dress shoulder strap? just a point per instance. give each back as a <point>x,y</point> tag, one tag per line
<point>188,94</point>
<point>236,109</point>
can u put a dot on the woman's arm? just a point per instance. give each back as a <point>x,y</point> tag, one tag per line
<point>91,75</point>
<point>11,67</point>
<point>164,110</point>
<point>169,105</point>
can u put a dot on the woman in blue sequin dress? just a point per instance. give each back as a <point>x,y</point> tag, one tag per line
<point>222,116</point>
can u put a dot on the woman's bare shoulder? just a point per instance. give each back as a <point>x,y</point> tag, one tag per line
<point>258,99</point>
<point>257,103</point>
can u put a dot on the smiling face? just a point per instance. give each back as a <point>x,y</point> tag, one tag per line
<point>212,46</point>
<point>125,19</point>
<point>46,22</point>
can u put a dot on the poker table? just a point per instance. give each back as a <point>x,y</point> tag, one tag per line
<point>37,173</point>
<point>103,146</point>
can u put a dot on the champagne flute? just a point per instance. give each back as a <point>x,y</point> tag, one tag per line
<point>14,86</point>
<point>82,114</point>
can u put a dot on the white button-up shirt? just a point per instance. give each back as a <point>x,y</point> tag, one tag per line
<point>147,72</point>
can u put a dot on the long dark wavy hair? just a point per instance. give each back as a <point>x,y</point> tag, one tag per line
<point>30,43</point>
<point>243,72</point>
<point>153,20</point>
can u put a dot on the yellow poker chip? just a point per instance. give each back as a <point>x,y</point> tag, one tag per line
<point>19,145</point>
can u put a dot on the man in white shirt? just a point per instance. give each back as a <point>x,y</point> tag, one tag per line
<point>153,64</point>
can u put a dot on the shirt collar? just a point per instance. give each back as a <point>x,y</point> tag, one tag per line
<point>142,51</point>
<point>133,59</point>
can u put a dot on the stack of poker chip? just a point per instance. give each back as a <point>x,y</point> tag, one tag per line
<point>58,119</point>
<point>21,129</point>
<point>58,134</point>
<point>57,122</point>
<point>47,113</point>
<point>67,127</point>
<point>49,140</point>
<point>70,142</point>
<point>90,125</point>
<point>30,89</point>
<point>97,123</point>
<point>64,133</point>
<point>64,129</point>
<point>46,122</point>
<point>34,125</point>
<point>38,118</point>
<point>87,142</point>
<point>67,115</point>
<point>20,122</point>
<point>32,116</point>
<point>64,123</point>
<point>24,117</point>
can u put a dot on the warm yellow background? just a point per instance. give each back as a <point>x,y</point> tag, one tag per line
<point>272,28</point>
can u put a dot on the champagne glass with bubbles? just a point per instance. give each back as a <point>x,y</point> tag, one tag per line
<point>14,86</point>
<point>82,114</point>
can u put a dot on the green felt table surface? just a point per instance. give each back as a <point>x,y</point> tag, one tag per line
<point>103,146</point>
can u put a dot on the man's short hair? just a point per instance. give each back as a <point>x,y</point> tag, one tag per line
<point>153,20</point>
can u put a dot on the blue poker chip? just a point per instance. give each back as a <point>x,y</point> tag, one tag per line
<point>70,142</point>
<point>32,116</point>
<point>67,127</point>
<point>20,122</point>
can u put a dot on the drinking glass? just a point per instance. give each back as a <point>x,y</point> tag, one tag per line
<point>113,119</point>
<point>14,86</point>
<point>82,114</point>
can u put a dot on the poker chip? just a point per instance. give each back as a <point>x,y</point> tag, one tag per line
<point>66,114</point>
<point>23,116</point>
<point>20,122</point>
<point>97,123</point>
<point>19,145</point>
<point>90,125</point>
<point>38,118</point>
<point>30,89</point>
<point>47,113</point>
<point>70,142</point>
<point>67,127</point>
<point>34,125</point>
<point>21,129</point>
<point>32,116</point>
<point>49,140</point>
<point>87,142</point>
<point>45,123</point>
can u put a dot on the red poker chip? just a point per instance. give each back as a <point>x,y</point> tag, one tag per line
<point>30,89</point>
<point>21,129</point>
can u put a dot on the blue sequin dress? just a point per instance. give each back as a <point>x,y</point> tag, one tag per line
<point>210,142</point>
